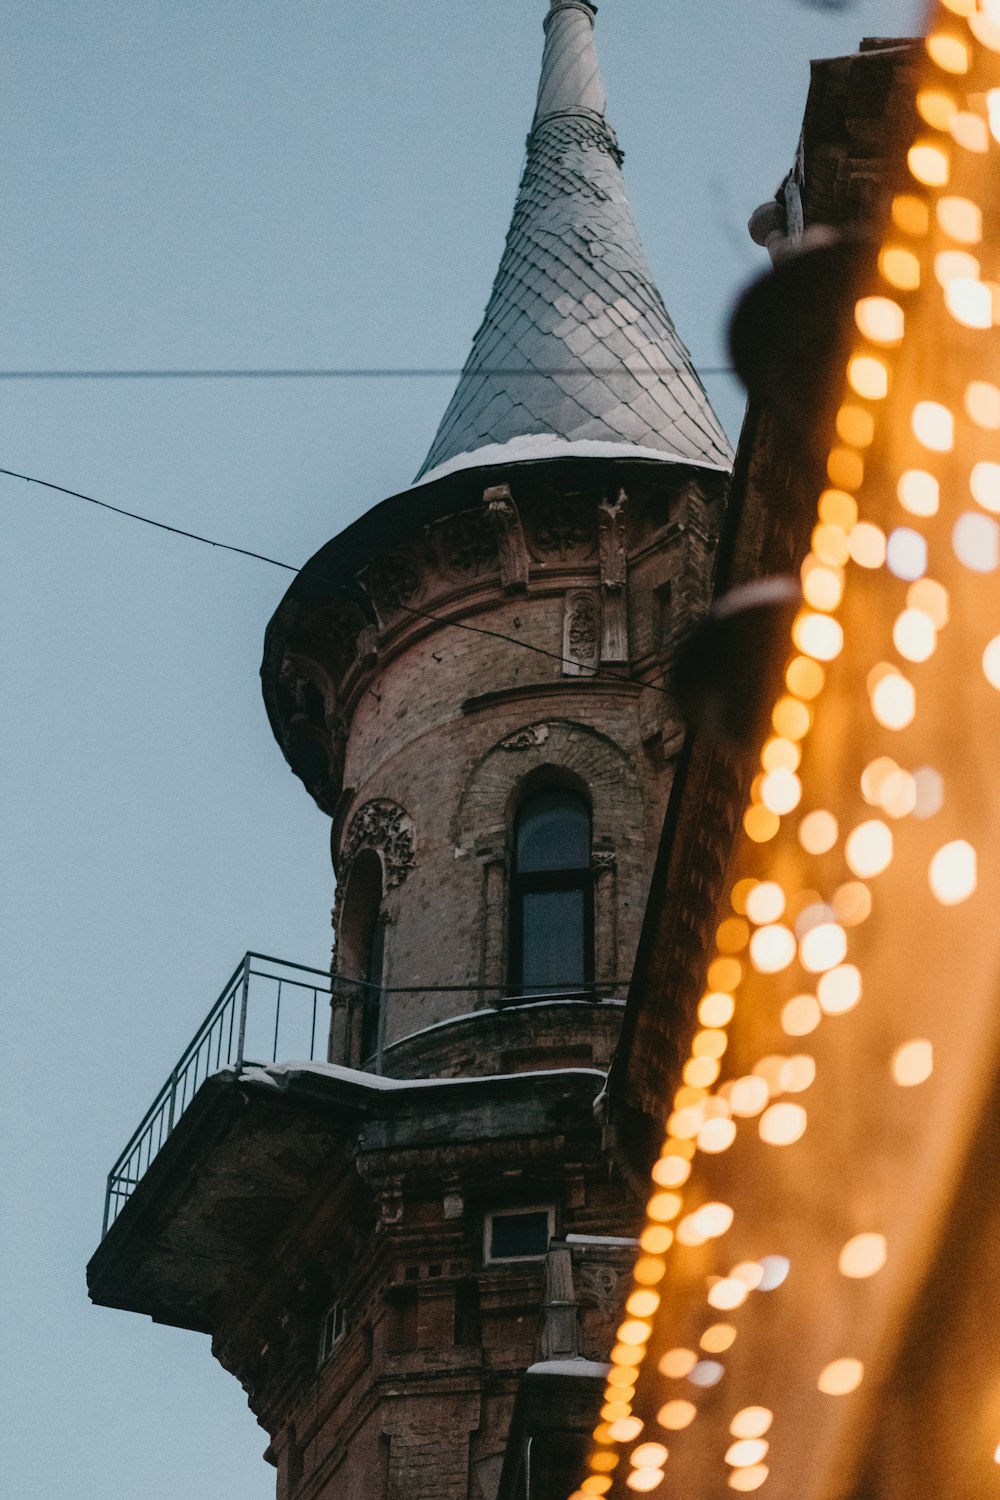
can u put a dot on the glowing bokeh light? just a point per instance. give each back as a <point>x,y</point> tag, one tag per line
<point>952,872</point>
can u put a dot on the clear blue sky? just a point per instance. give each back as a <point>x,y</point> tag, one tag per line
<point>311,182</point>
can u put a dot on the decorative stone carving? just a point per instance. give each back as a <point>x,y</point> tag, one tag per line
<point>525,739</point>
<point>611,533</point>
<point>394,580</point>
<point>509,536</point>
<point>601,1285</point>
<point>388,829</point>
<point>604,860</point>
<point>563,528</point>
<point>467,545</point>
<point>614,569</point>
<point>581,633</point>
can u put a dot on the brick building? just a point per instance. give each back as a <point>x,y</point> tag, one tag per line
<point>409,1245</point>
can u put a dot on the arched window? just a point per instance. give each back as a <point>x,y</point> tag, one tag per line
<point>361,946</point>
<point>552,895</point>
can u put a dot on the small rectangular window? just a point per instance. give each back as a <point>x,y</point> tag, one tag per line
<point>332,1330</point>
<point>518,1234</point>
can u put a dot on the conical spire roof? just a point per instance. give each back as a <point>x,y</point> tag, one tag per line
<point>576,347</point>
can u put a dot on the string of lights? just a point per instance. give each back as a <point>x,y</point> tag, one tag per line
<point>790,950</point>
<point>423,614</point>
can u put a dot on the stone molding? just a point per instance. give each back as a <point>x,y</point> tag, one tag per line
<point>386,828</point>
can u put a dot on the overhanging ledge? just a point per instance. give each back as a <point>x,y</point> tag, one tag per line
<point>255,1143</point>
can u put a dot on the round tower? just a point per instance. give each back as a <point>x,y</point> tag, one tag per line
<point>470,680</point>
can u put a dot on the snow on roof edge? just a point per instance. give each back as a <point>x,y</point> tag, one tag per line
<point>536,446</point>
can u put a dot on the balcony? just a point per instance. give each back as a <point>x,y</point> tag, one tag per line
<point>271,1010</point>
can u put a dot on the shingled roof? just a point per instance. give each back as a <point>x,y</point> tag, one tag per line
<point>576,348</point>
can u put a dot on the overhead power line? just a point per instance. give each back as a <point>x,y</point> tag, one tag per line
<point>347,372</point>
<point>274,562</point>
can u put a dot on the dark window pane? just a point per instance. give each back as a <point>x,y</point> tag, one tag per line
<point>553,833</point>
<point>513,1235</point>
<point>552,940</point>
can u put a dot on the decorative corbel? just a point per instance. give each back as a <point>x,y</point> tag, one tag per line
<point>509,534</point>
<point>614,571</point>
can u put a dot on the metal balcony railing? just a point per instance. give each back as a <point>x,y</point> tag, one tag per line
<point>269,1009</point>
<point>268,1004</point>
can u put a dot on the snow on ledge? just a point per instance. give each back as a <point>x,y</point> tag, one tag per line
<point>541,445</point>
<point>590,1368</point>
<point>272,1074</point>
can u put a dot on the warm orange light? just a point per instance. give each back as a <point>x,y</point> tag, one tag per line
<point>716,1135</point>
<point>961,219</point>
<point>800,1015</point>
<point>918,492</point>
<point>766,901</point>
<point>952,872</point>
<point>950,264</point>
<point>914,635</point>
<point>652,1454</point>
<point>867,545</point>
<point>982,404</point>
<point>970,131</point>
<point>625,1429</point>
<point>642,1304</point>
<point>991,662</point>
<point>723,974</point>
<point>751,1422</point>
<point>910,213</point>
<point>845,468</point>
<point>805,678</point>
<point>937,109</point>
<point>637,1330</point>
<point>839,989</point>
<point>782,1124</point>
<point>822,585</point>
<point>818,832</point>
<point>863,1256</point>
<point>868,376</point>
<point>746,1452</point>
<point>649,1270</point>
<point>841,1376</point>
<point>777,755</point>
<point>932,597</point>
<point>829,542</point>
<point>718,1338</point>
<point>950,53</point>
<point>852,903</point>
<point>748,1480</point>
<point>772,948</point>
<point>879,319</point>
<point>894,703</point>
<point>644,1479</point>
<point>676,1415</point>
<point>984,482</point>
<point>868,849</point>
<point>934,426</point>
<point>969,302</point>
<point>818,635</point>
<point>929,164</point>
<point>716,1008</point>
<point>760,824</point>
<point>836,507</point>
<point>822,947</point>
<point>727,1294</point>
<point>900,268</point>
<point>856,425</point>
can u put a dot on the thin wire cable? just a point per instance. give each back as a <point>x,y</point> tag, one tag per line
<point>430,372</point>
<point>274,562</point>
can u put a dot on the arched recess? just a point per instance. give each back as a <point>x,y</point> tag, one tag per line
<point>376,854</point>
<point>557,753</point>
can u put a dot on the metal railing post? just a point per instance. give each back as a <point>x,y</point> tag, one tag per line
<point>107,1205</point>
<point>244,1000</point>
<point>173,1100</point>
